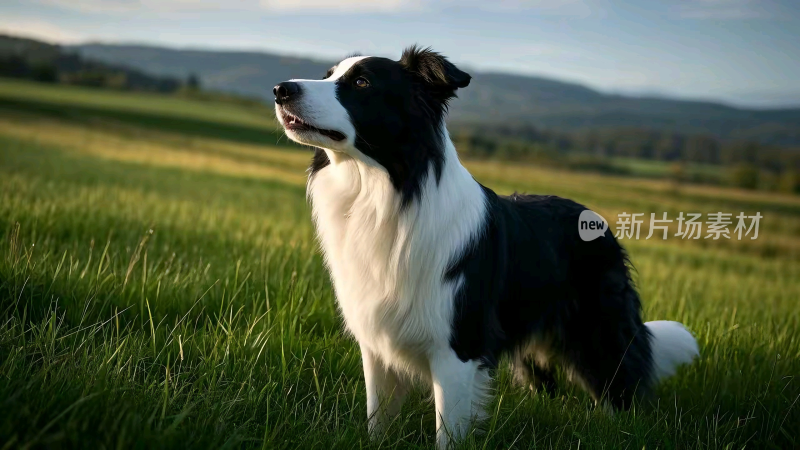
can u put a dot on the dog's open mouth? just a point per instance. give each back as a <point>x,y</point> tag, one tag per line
<point>294,123</point>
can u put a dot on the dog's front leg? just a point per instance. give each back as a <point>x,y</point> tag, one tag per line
<point>459,389</point>
<point>385,393</point>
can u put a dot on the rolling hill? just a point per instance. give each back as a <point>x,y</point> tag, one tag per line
<point>492,97</point>
<point>40,61</point>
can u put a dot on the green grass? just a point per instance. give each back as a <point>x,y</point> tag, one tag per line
<point>249,123</point>
<point>647,168</point>
<point>115,101</point>
<point>155,302</point>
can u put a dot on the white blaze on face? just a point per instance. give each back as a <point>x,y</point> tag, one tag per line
<point>344,66</point>
<point>319,107</point>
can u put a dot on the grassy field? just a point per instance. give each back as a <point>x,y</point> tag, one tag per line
<point>663,169</point>
<point>160,287</point>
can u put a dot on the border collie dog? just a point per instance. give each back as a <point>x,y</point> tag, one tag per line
<point>437,276</point>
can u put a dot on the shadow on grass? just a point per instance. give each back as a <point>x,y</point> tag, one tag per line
<point>87,115</point>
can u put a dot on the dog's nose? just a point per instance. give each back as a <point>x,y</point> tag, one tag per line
<point>285,91</point>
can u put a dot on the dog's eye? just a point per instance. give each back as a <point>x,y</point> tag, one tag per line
<point>361,82</point>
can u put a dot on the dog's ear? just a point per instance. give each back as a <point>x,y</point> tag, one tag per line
<point>435,71</point>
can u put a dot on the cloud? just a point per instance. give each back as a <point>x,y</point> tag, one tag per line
<point>39,29</point>
<point>95,6</point>
<point>127,6</point>
<point>726,9</point>
<point>341,5</point>
<point>549,7</point>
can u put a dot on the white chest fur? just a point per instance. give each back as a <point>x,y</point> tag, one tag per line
<point>388,263</point>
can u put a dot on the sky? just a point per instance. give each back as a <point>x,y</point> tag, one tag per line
<point>742,52</point>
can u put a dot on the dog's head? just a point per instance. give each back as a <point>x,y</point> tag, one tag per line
<point>368,107</point>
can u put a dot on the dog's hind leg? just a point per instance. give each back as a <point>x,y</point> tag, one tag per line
<point>607,347</point>
<point>617,374</point>
<point>532,374</point>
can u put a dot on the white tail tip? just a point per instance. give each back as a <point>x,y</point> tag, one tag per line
<point>672,346</point>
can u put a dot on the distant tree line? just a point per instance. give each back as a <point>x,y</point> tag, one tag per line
<point>38,61</point>
<point>72,69</point>
<point>746,164</point>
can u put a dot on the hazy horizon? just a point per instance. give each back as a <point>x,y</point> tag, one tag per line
<point>743,53</point>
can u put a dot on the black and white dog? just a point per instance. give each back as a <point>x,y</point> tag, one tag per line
<point>436,275</point>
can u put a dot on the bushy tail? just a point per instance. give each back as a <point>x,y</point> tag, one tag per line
<point>672,345</point>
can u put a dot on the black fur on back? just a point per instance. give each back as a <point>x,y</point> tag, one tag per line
<point>530,277</point>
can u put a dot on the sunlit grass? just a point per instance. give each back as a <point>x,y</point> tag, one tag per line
<point>162,290</point>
